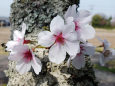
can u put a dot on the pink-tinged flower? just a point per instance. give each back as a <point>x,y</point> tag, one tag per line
<point>25,59</point>
<point>18,38</point>
<point>81,20</point>
<point>105,44</point>
<point>61,39</point>
<point>107,54</point>
<point>79,60</point>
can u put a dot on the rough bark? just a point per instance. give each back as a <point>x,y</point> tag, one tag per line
<point>37,14</point>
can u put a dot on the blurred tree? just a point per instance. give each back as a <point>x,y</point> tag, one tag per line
<point>113,22</point>
<point>98,20</point>
<point>37,14</point>
<point>101,21</point>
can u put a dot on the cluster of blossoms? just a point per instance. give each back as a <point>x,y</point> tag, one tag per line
<point>68,35</point>
<point>107,53</point>
<point>22,54</point>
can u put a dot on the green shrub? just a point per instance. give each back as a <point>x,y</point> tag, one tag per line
<point>101,21</point>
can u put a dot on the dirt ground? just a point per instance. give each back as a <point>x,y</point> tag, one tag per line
<point>4,34</point>
<point>104,34</point>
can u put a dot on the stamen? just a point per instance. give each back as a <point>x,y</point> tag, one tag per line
<point>59,38</point>
<point>26,41</point>
<point>76,26</point>
<point>27,56</point>
<point>81,49</point>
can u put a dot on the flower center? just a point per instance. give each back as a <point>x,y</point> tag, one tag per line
<point>59,38</point>
<point>27,56</point>
<point>26,41</point>
<point>18,39</point>
<point>81,49</point>
<point>76,26</point>
<point>106,53</point>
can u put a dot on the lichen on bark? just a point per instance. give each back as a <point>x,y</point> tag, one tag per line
<point>37,14</point>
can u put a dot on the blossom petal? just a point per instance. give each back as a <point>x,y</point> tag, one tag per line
<point>71,36</point>
<point>20,48</point>
<point>86,20</point>
<point>89,49</point>
<point>78,62</point>
<point>57,54</point>
<point>82,14</point>
<point>69,20</point>
<point>68,13</point>
<point>45,38</point>
<point>36,64</point>
<point>68,62</point>
<point>23,67</point>
<point>87,32</point>
<point>72,48</point>
<point>101,60</point>
<point>17,52</point>
<point>10,45</point>
<point>106,44</point>
<point>15,56</point>
<point>71,12</point>
<point>113,52</point>
<point>69,27</point>
<point>69,32</point>
<point>17,35</point>
<point>57,25</point>
<point>24,27</point>
<point>74,11</point>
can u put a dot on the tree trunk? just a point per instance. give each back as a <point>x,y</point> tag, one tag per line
<point>37,14</point>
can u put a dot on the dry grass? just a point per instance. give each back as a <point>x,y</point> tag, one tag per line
<point>2,51</point>
<point>3,84</point>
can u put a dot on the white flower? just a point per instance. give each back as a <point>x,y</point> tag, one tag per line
<point>61,39</point>
<point>79,60</point>
<point>107,54</point>
<point>25,59</point>
<point>105,43</point>
<point>81,20</point>
<point>18,38</point>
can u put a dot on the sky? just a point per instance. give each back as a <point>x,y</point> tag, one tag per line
<point>106,7</point>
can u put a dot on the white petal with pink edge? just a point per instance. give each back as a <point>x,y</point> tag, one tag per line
<point>71,12</point>
<point>57,53</point>
<point>87,32</point>
<point>25,59</point>
<point>10,45</point>
<point>22,67</point>
<point>36,64</point>
<point>45,38</point>
<point>89,49</point>
<point>72,48</point>
<point>24,28</point>
<point>57,25</point>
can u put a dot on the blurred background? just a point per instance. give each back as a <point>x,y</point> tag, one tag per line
<point>103,21</point>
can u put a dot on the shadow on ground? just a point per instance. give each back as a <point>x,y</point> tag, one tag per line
<point>3,66</point>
